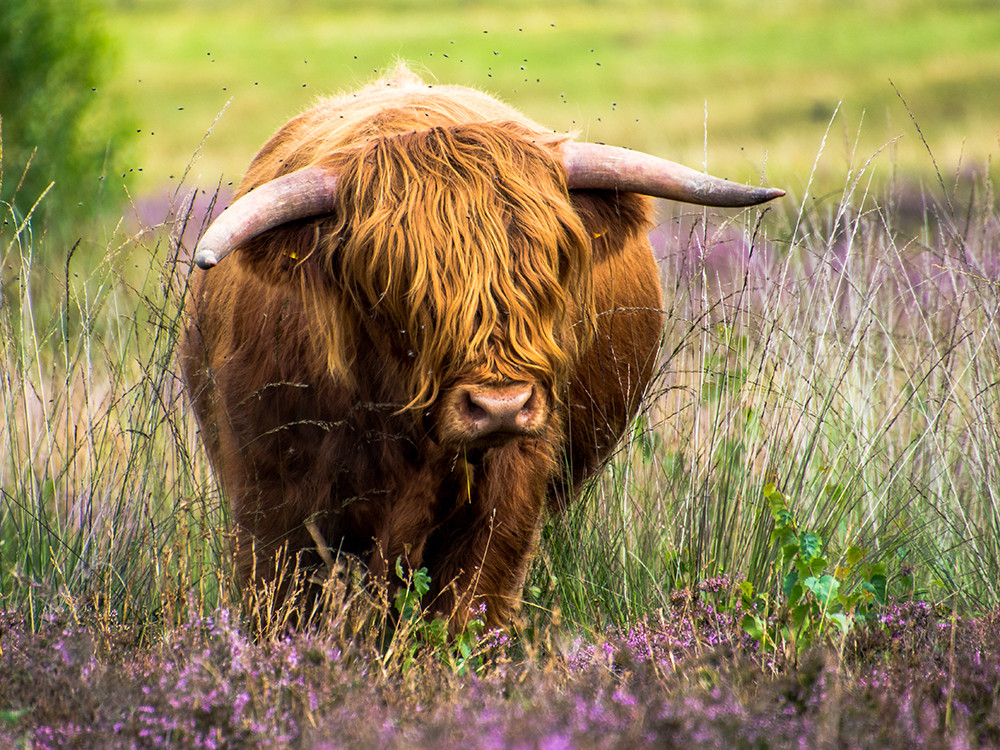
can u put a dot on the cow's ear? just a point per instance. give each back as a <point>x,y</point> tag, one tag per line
<point>284,254</point>
<point>611,219</point>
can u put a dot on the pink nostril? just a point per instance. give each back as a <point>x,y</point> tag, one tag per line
<point>506,408</point>
<point>473,411</point>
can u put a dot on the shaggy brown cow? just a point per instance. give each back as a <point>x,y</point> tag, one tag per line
<point>435,315</point>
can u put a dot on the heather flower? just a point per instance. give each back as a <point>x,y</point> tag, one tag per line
<point>681,677</point>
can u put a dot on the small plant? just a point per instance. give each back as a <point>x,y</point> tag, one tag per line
<point>815,592</point>
<point>416,636</point>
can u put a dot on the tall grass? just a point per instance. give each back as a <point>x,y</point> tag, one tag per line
<point>847,357</point>
<point>104,503</point>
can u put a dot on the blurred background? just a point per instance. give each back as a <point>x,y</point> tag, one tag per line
<point>804,94</point>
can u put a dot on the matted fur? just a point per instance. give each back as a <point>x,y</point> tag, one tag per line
<point>318,353</point>
<point>446,234</point>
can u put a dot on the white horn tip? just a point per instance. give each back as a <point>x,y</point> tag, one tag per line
<point>205,259</point>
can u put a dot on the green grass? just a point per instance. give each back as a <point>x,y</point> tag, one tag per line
<point>763,79</point>
<point>104,504</point>
<point>847,364</point>
<point>852,364</point>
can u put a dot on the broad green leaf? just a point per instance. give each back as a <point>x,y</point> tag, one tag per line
<point>800,616</point>
<point>784,519</point>
<point>878,585</point>
<point>817,565</point>
<point>842,620</point>
<point>789,552</point>
<point>854,555</point>
<point>824,588</point>
<point>811,545</point>
<point>754,627</point>
<point>789,584</point>
<point>783,535</point>
<point>777,502</point>
<point>421,581</point>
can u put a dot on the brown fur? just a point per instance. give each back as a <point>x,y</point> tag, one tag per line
<point>319,354</point>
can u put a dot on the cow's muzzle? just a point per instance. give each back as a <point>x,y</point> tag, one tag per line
<point>478,415</point>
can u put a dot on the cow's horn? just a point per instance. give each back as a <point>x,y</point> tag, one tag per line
<point>589,166</point>
<point>299,195</point>
<point>592,166</point>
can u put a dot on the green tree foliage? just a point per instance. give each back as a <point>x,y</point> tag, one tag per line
<point>56,124</point>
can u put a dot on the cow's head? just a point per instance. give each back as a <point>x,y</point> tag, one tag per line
<point>459,247</point>
<point>457,253</point>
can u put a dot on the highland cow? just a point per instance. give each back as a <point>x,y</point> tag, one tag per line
<point>425,319</point>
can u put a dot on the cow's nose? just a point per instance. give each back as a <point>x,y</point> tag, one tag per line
<point>512,408</point>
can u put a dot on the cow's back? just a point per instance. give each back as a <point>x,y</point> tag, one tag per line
<point>399,103</point>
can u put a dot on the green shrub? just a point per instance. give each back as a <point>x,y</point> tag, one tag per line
<point>58,127</point>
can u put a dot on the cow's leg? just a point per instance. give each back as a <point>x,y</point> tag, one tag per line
<point>481,552</point>
<point>274,577</point>
<point>398,526</point>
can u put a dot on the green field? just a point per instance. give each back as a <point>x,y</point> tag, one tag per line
<point>748,88</point>
<point>798,544</point>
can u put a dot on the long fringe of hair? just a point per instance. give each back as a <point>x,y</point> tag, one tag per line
<point>464,239</point>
